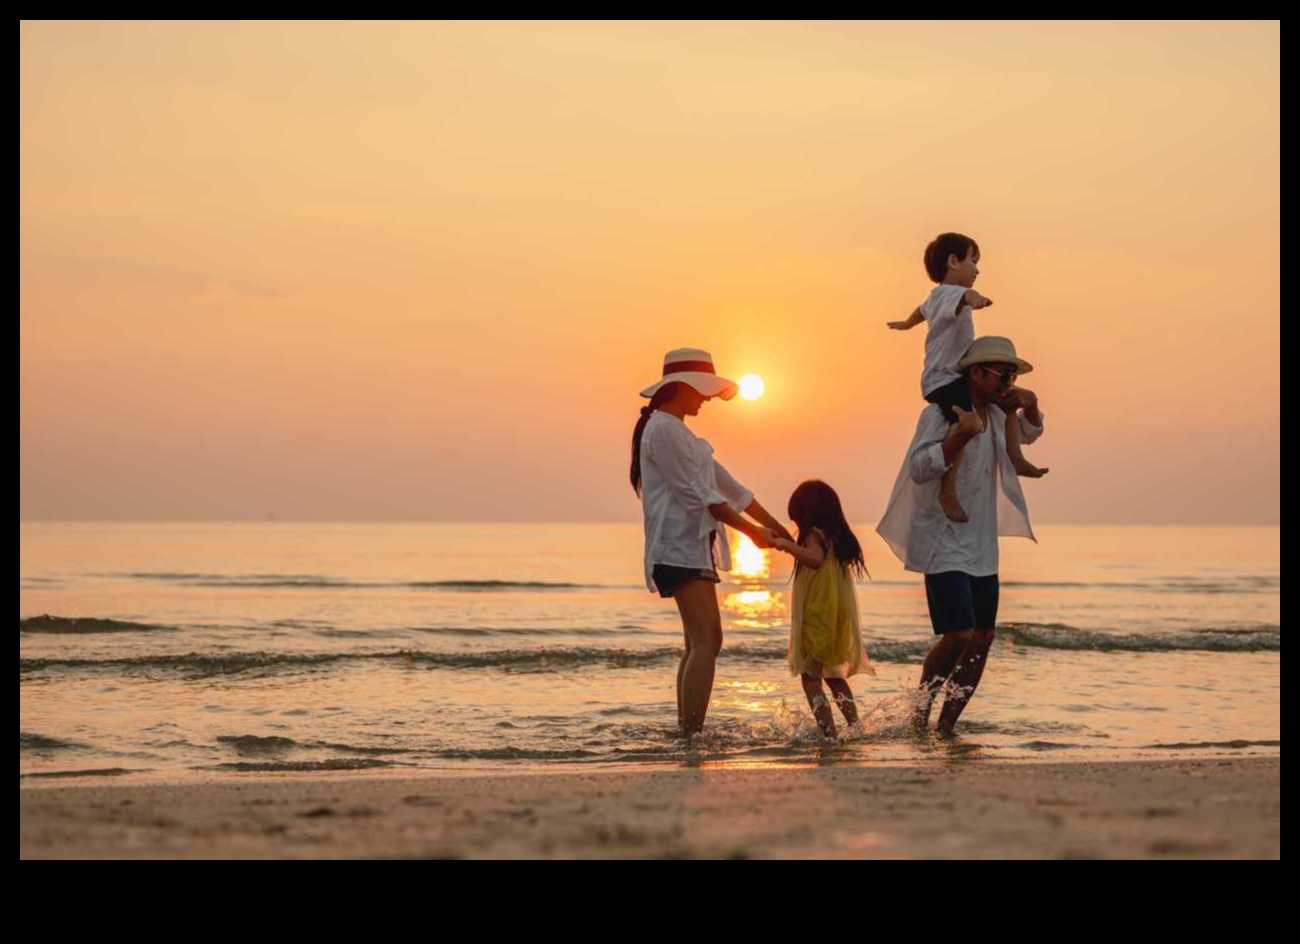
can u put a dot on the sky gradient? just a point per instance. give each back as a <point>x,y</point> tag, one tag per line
<point>420,271</point>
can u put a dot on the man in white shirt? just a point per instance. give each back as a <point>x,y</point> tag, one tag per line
<point>960,559</point>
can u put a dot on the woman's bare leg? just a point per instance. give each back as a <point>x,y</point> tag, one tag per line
<point>681,671</point>
<point>697,601</point>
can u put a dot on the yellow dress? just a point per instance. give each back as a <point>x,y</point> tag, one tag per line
<point>825,626</point>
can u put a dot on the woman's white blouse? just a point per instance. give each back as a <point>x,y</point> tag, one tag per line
<point>679,481</point>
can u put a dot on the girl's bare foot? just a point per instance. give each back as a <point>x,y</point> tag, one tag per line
<point>952,508</point>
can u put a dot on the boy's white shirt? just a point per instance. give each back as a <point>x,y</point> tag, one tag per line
<point>949,331</point>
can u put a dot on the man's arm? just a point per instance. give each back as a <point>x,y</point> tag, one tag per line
<point>937,443</point>
<point>1031,419</point>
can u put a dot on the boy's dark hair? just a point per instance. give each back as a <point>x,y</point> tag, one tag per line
<point>943,246</point>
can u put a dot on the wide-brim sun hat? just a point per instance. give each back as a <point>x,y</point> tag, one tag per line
<point>690,365</point>
<point>994,350</point>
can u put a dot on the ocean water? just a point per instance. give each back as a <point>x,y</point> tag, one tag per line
<point>208,649</point>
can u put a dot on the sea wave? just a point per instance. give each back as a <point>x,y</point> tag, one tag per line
<point>224,663</point>
<point>309,581</point>
<point>1260,638</point>
<point>83,624</point>
<point>286,766</point>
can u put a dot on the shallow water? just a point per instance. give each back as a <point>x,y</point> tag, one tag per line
<point>188,648</point>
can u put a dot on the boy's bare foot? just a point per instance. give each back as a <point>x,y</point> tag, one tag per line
<point>952,508</point>
<point>1025,469</point>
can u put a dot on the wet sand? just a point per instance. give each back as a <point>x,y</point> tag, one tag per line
<point>1217,808</point>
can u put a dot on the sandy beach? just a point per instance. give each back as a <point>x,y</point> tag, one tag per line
<point>1220,808</point>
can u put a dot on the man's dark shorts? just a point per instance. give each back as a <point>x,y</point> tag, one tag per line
<point>949,395</point>
<point>959,601</point>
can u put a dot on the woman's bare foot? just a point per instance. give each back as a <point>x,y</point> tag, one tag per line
<point>951,507</point>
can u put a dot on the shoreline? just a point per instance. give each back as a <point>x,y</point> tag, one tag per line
<point>1176,808</point>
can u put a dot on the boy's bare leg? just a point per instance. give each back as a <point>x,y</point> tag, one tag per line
<point>821,709</point>
<point>843,696</point>
<point>965,679</point>
<point>1024,468</point>
<point>948,491</point>
<point>939,663</point>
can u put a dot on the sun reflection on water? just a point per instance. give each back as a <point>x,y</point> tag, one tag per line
<point>749,560</point>
<point>753,605</point>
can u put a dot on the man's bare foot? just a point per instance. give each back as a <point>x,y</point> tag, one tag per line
<point>944,730</point>
<point>952,508</point>
<point>1025,469</point>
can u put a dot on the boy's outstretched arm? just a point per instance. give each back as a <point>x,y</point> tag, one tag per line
<point>975,300</point>
<point>914,319</point>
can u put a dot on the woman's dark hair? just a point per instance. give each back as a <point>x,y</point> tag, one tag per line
<point>943,246</point>
<point>814,504</point>
<point>662,396</point>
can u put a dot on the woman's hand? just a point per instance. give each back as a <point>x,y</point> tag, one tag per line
<point>782,544</point>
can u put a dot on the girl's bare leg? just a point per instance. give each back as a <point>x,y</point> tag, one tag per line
<point>697,601</point>
<point>843,696</point>
<point>821,709</point>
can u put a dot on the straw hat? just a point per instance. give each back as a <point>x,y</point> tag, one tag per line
<point>692,366</point>
<point>993,350</point>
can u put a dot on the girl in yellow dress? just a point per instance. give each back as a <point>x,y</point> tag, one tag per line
<point>825,628</point>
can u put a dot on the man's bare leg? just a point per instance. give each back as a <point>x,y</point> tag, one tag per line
<point>939,663</point>
<point>965,678</point>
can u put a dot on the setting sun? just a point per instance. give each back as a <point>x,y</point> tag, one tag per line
<point>751,386</point>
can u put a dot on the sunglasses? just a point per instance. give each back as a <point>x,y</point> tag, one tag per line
<point>1004,376</point>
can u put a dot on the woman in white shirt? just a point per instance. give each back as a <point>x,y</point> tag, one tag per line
<point>688,497</point>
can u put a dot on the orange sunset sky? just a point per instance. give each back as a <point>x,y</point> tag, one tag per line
<point>421,270</point>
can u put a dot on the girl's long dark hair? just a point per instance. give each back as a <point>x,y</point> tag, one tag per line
<point>814,504</point>
<point>662,396</point>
